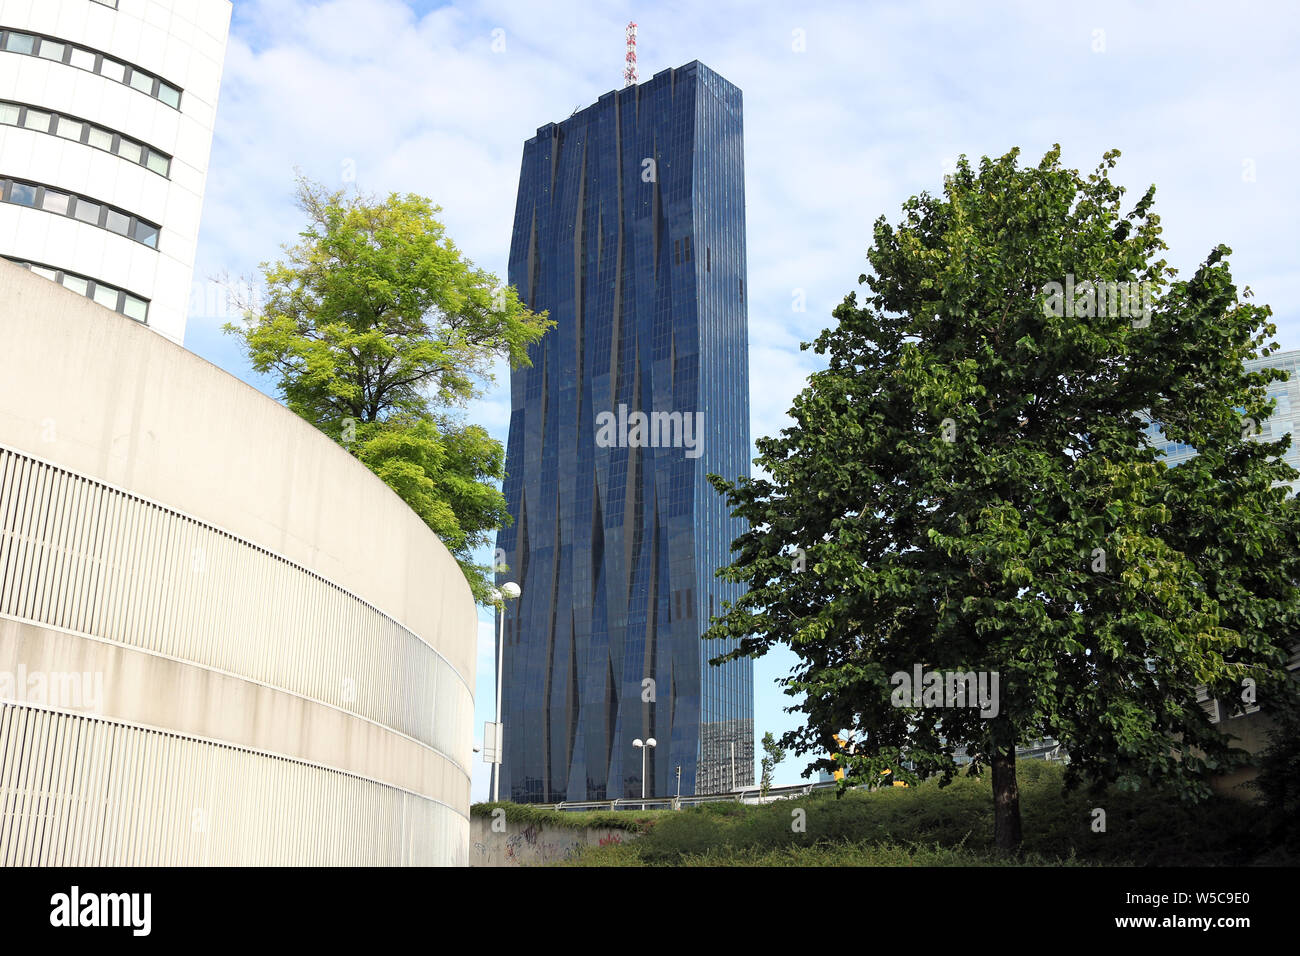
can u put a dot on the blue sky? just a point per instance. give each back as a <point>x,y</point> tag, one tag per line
<point>849,110</point>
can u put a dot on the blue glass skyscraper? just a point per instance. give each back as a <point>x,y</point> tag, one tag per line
<point>630,231</point>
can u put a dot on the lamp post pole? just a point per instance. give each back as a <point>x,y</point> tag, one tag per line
<point>508,591</point>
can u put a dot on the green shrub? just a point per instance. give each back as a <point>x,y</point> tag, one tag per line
<point>930,825</point>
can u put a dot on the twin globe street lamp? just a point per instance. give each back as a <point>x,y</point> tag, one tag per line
<point>645,749</point>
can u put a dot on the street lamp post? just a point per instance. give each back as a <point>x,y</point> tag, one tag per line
<point>644,748</point>
<point>509,591</point>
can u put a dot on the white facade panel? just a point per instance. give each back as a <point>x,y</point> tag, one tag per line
<point>178,42</point>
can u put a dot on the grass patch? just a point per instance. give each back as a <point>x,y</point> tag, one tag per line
<point>949,826</point>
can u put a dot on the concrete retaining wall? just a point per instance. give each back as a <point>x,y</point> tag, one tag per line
<point>535,844</point>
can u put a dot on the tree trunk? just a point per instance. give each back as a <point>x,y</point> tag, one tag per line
<point>1006,801</point>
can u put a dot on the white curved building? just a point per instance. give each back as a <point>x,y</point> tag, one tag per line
<point>106,116</point>
<point>223,641</point>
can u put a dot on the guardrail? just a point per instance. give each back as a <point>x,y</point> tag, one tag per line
<point>746,794</point>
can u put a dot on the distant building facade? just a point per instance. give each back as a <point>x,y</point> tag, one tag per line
<point>106,115</point>
<point>1248,724</point>
<point>1283,421</point>
<point>630,230</point>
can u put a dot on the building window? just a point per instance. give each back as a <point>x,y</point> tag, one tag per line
<point>87,133</point>
<point>115,221</point>
<point>52,50</point>
<point>87,211</point>
<point>141,81</point>
<point>111,69</point>
<point>35,119</point>
<point>86,58</point>
<point>109,296</point>
<point>145,233</point>
<point>56,202</point>
<point>22,194</point>
<point>20,43</point>
<point>80,208</point>
<point>82,59</point>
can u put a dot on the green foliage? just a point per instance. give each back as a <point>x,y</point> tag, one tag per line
<point>525,814</point>
<point>933,825</point>
<point>1278,782</point>
<point>773,754</point>
<point>952,476</point>
<point>377,328</point>
<point>841,854</point>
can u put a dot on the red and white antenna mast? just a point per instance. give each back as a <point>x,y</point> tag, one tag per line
<point>629,74</point>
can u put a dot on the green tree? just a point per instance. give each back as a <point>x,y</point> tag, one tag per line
<point>967,487</point>
<point>378,329</point>
<point>773,754</point>
<point>1278,782</point>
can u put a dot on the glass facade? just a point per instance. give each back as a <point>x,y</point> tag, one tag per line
<point>630,231</point>
<point>1281,422</point>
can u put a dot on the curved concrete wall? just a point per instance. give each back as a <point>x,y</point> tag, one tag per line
<point>225,640</point>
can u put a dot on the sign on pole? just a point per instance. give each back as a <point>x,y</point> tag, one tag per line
<point>491,742</point>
